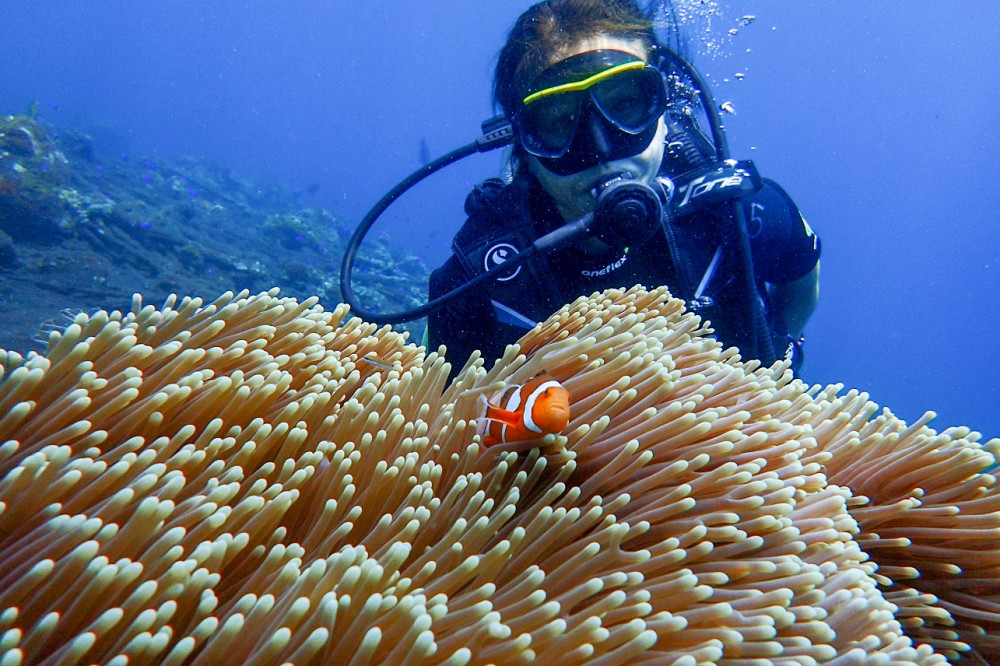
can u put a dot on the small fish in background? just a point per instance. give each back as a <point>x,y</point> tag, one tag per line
<point>58,323</point>
<point>382,365</point>
<point>309,190</point>
<point>524,412</point>
<point>425,152</point>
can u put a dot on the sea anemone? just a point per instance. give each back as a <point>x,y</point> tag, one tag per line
<point>258,480</point>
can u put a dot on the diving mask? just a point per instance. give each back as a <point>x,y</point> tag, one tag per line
<point>591,108</point>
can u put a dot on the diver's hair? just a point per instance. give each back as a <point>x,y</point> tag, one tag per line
<point>552,27</point>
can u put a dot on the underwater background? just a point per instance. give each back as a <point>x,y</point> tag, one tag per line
<point>240,142</point>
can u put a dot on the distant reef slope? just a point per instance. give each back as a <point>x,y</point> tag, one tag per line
<point>80,232</point>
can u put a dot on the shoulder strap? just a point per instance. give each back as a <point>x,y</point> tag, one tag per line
<point>499,226</point>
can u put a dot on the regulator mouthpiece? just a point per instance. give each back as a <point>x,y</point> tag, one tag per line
<point>628,211</point>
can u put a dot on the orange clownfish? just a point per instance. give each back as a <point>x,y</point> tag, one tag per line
<point>533,410</point>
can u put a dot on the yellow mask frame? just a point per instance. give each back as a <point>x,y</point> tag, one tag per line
<point>585,83</point>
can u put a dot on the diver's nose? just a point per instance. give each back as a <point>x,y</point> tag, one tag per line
<point>598,136</point>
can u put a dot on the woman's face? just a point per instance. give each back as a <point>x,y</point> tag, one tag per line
<point>573,193</point>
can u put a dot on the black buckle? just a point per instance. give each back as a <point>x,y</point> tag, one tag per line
<point>497,133</point>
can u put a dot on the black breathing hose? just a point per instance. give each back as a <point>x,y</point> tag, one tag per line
<point>347,266</point>
<point>496,134</point>
<point>758,332</point>
<point>681,153</point>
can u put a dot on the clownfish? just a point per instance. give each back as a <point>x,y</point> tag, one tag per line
<point>529,411</point>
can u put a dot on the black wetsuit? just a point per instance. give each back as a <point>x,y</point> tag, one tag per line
<point>507,218</point>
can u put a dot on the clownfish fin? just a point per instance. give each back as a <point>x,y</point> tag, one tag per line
<point>492,413</point>
<point>503,416</point>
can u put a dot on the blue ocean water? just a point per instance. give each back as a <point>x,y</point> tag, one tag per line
<point>880,119</point>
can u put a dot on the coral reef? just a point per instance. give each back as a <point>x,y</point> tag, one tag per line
<point>81,231</point>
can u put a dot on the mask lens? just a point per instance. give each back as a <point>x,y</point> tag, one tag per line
<point>548,125</point>
<point>631,100</point>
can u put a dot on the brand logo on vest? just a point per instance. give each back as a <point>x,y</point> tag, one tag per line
<point>498,254</point>
<point>613,266</point>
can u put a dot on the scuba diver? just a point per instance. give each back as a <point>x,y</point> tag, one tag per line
<point>612,183</point>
